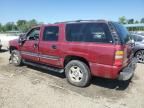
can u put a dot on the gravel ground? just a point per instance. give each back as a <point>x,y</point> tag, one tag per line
<point>29,87</point>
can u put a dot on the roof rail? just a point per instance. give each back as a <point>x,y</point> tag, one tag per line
<point>78,21</point>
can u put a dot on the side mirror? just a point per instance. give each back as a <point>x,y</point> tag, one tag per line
<point>22,39</point>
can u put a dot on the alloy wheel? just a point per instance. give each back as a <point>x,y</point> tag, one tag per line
<point>140,56</point>
<point>75,74</point>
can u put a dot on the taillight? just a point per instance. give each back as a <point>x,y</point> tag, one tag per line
<point>119,55</point>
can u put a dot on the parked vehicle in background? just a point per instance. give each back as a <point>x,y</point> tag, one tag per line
<point>137,33</point>
<point>5,38</point>
<point>139,47</point>
<point>81,49</point>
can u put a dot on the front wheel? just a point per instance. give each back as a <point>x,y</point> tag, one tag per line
<point>77,73</point>
<point>15,58</point>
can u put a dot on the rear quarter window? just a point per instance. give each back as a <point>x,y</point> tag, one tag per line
<point>88,32</point>
<point>123,33</point>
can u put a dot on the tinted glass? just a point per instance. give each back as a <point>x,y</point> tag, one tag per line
<point>33,34</point>
<point>125,37</point>
<point>51,33</point>
<point>88,32</point>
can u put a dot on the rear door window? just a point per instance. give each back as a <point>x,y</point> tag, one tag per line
<point>88,32</point>
<point>125,37</point>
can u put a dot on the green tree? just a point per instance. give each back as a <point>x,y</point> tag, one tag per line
<point>10,26</point>
<point>22,25</point>
<point>0,27</point>
<point>32,23</point>
<point>130,21</point>
<point>142,20</point>
<point>123,20</point>
<point>21,22</point>
<point>136,22</point>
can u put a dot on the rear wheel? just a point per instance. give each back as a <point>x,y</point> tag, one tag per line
<point>16,58</point>
<point>77,73</point>
<point>140,56</point>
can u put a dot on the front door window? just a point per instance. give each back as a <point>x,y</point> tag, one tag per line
<point>33,34</point>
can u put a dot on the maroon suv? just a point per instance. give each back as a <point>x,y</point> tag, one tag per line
<point>81,49</point>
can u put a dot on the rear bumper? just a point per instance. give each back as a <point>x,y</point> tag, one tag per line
<point>128,71</point>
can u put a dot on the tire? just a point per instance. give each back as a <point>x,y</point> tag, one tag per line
<point>140,56</point>
<point>15,58</point>
<point>77,73</point>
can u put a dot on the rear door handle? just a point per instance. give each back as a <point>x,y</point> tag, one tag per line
<point>54,47</point>
<point>35,45</point>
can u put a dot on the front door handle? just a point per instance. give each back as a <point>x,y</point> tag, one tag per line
<point>35,45</point>
<point>54,47</point>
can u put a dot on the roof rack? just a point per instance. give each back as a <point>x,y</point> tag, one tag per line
<point>78,21</point>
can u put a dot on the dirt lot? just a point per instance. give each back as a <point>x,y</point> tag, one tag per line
<point>29,87</point>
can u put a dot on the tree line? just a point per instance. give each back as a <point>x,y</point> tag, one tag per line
<point>24,25</point>
<point>20,25</point>
<point>124,20</point>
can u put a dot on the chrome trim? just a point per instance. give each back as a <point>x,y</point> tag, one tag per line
<point>49,57</point>
<point>40,55</point>
<point>29,54</point>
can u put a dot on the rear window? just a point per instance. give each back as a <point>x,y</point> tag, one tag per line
<point>125,37</point>
<point>88,32</point>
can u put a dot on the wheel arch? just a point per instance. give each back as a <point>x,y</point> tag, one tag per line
<point>11,48</point>
<point>72,57</point>
<point>137,51</point>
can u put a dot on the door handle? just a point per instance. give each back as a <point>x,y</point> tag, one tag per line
<point>35,45</point>
<point>54,47</point>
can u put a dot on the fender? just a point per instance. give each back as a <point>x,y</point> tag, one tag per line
<point>14,44</point>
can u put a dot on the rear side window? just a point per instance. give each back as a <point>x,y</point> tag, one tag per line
<point>51,33</point>
<point>125,37</point>
<point>88,32</point>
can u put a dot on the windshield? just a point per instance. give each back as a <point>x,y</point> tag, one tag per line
<point>125,37</point>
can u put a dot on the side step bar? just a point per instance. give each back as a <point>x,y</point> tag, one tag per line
<point>44,67</point>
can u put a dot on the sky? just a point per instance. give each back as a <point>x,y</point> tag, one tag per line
<point>50,11</point>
